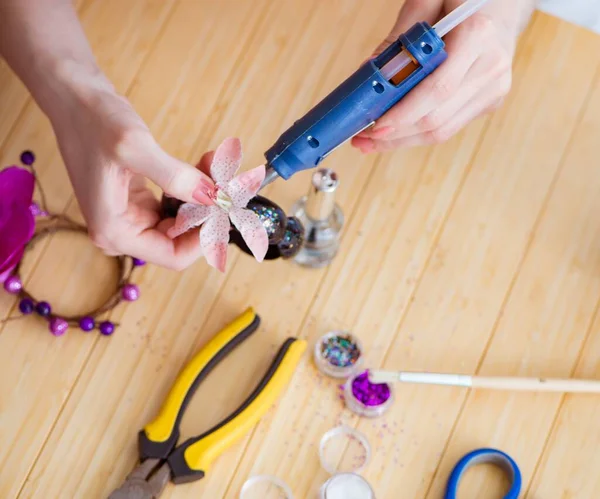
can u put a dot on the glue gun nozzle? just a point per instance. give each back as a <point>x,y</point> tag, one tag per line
<point>270,176</point>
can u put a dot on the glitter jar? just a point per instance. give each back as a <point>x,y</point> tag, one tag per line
<point>346,486</point>
<point>338,354</point>
<point>265,487</point>
<point>365,398</point>
<point>344,483</point>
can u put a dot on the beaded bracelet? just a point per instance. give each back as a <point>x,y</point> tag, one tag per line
<point>18,215</point>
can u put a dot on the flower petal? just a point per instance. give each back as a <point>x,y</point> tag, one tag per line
<point>226,161</point>
<point>16,187</point>
<point>17,226</point>
<point>7,267</point>
<point>252,230</point>
<point>214,240</point>
<point>188,217</point>
<point>243,188</point>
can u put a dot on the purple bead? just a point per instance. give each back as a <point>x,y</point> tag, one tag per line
<point>87,323</point>
<point>107,328</point>
<point>13,285</point>
<point>26,306</point>
<point>27,158</point>
<point>58,326</point>
<point>36,211</point>
<point>137,262</point>
<point>130,292</point>
<point>43,308</point>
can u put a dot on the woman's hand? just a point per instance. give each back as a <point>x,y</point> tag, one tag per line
<point>473,80</point>
<point>109,153</point>
<point>107,148</point>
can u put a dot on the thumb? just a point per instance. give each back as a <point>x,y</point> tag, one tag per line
<point>177,179</point>
<point>413,11</point>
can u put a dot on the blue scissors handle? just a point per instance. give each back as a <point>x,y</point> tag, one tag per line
<point>488,456</point>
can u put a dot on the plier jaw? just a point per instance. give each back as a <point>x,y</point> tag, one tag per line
<point>147,481</point>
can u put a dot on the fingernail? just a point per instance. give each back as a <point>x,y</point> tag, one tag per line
<point>364,144</point>
<point>205,192</point>
<point>381,132</point>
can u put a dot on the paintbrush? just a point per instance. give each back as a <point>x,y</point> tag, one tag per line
<point>488,382</point>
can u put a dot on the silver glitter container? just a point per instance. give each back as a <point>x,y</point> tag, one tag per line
<point>322,219</point>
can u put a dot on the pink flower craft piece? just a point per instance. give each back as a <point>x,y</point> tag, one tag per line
<point>17,216</point>
<point>230,197</point>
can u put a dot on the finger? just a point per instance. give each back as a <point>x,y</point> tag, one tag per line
<point>205,162</point>
<point>176,178</point>
<point>479,105</point>
<point>433,92</point>
<point>152,245</point>
<point>413,11</point>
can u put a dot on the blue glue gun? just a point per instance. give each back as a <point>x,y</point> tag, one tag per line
<point>357,103</point>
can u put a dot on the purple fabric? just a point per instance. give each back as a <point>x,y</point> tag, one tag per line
<point>17,223</point>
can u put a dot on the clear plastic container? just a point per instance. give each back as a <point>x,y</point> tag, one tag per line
<point>265,487</point>
<point>346,486</point>
<point>345,482</point>
<point>362,409</point>
<point>327,365</point>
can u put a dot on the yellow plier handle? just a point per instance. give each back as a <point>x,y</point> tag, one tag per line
<point>159,437</point>
<point>191,460</point>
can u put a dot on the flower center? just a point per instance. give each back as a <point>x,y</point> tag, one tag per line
<point>223,201</point>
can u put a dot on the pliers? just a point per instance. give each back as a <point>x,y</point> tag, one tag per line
<point>161,460</point>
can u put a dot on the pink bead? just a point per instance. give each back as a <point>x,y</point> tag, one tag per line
<point>58,326</point>
<point>130,292</point>
<point>13,285</point>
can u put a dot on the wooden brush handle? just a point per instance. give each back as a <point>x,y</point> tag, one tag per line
<point>536,384</point>
<point>489,382</point>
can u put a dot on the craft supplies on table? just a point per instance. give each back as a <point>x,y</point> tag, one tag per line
<point>338,354</point>
<point>347,486</point>
<point>322,219</point>
<point>345,483</point>
<point>161,458</point>
<point>365,398</point>
<point>488,382</point>
<point>254,487</point>
<point>485,456</point>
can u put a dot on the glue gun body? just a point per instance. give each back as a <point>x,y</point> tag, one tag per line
<point>355,104</point>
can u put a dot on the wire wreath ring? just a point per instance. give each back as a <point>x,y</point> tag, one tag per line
<point>16,180</point>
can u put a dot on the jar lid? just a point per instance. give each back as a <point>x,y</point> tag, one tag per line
<point>338,354</point>
<point>344,434</point>
<point>256,486</point>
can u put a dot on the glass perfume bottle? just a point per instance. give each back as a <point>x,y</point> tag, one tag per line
<point>322,219</point>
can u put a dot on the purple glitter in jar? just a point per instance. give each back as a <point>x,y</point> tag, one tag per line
<point>365,398</point>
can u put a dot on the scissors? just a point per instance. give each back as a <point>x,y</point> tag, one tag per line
<point>486,456</point>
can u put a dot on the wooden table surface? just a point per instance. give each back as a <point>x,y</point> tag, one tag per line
<point>481,255</point>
